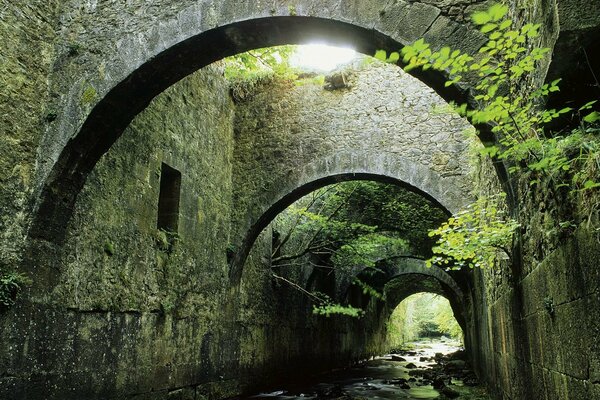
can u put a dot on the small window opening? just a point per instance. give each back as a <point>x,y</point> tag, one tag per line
<point>168,200</point>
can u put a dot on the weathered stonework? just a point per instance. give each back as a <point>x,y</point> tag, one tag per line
<point>115,312</point>
<point>27,29</point>
<point>128,312</point>
<point>385,125</point>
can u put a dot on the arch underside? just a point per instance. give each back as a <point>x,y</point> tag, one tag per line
<point>133,83</point>
<point>392,170</point>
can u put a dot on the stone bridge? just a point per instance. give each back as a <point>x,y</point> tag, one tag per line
<point>107,76</point>
<point>104,110</point>
<point>385,126</point>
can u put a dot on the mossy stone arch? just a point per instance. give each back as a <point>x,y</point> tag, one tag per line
<point>153,49</point>
<point>443,191</point>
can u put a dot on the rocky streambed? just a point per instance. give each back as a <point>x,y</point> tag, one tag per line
<point>430,370</point>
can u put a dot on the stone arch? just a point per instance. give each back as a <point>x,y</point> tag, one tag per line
<point>187,37</point>
<point>381,167</point>
<point>407,284</point>
<point>400,266</point>
<point>400,277</point>
<point>404,276</point>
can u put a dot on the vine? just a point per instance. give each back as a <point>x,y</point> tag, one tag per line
<point>11,284</point>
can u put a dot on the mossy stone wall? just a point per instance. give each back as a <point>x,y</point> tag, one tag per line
<point>28,30</point>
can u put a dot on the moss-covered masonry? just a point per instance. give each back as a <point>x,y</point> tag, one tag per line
<point>115,312</point>
<point>28,30</point>
<point>128,311</point>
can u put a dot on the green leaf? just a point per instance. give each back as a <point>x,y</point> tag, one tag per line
<point>588,105</point>
<point>381,55</point>
<point>589,184</point>
<point>394,57</point>
<point>504,25</point>
<point>497,12</point>
<point>488,28</point>
<point>592,117</point>
<point>481,18</point>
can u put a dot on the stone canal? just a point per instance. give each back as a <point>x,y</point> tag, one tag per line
<point>430,370</point>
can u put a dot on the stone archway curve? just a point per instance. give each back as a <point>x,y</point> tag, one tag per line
<point>397,267</point>
<point>390,168</point>
<point>143,63</point>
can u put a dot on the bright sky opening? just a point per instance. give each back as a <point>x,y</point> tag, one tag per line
<point>321,57</point>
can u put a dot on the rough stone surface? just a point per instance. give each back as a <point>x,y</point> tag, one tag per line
<point>386,125</point>
<point>114,312</point>
<point>127,312</point>
<point>27,29</point>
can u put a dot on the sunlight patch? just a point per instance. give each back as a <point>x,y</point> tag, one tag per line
<point>321,57</point>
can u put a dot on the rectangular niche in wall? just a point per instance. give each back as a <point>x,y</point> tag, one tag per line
<point>168,200</point>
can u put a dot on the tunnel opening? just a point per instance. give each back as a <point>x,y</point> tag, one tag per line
<point>423,316</point>
<point>330,244</point>
<point>349,253</point>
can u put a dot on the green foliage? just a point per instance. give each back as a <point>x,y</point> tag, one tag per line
<point>473,237</point>
<point>502,71</point>
<point>11,283</point>
<point>259,62</point>
<point>247,70</point>
<point>394,212</point>
<point>349,227</point>
<point>330,308</point>
<point>393,58</point>
<point>446,323</point>
<point>501,68</point>
<point>419,316</point>
<point>367,289</point>
<point>358,223</point>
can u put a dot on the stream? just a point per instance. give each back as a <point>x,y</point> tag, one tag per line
<point>404,375</point>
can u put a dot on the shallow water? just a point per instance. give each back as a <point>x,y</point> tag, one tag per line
<point>370,380</point>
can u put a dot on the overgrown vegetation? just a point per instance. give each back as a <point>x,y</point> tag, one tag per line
<point>246,70</point>
<point>420,316</point>
<point>474,237</point>
<point>516,117</point>
<point>11,283</point>
<point>351,227</point>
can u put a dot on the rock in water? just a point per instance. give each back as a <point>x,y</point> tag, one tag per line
<point>450,393</point>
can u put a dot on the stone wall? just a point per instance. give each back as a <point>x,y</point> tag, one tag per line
<point>129,310</point>
<point>535,321</point>
<point>26,61</point>
<point>537,337</point>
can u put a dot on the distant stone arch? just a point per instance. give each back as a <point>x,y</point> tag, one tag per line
<point>342,167</point>
<point>400,277</point>
<point>398,266</point>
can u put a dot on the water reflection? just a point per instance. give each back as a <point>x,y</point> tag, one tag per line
<point>405,376</point>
